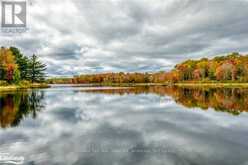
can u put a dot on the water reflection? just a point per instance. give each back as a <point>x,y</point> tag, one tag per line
<point>14,107</point>
<point>102,127</point>
<point>231,100</point>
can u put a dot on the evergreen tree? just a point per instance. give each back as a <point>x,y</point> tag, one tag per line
<point>21,61</point>
<point>16,76</point>
<point>36,71</point>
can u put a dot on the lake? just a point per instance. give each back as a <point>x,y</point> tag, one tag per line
<point>154,125</point>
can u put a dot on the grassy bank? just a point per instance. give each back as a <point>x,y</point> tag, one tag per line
<point>186,84</point>
<point>212,84</point>
<point>21,86</point>
<point>179,84</point>
<point>129,84</point>
<point>115,84</point>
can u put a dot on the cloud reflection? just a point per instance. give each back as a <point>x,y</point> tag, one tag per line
<point>60,136</point>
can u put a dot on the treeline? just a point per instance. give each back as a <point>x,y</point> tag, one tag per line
<point>15,67</point>
<point>233,67</point>
<point>230,68</point>
<point>108,78</point>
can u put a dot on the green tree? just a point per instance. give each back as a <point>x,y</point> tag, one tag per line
<point>22,62</point>
<point>36,71</point>
<point>17,76</point>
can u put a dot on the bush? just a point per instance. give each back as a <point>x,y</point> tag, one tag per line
<point>24,83</point>
<point>17,76</point>
<point>3,83</point>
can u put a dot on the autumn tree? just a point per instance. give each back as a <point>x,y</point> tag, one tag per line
<point>8,64</point>
<point>22,62</point>
<point>232,67</point>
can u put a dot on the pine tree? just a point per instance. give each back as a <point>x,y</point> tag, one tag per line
<point>22,62</point>
<point>36,71</point>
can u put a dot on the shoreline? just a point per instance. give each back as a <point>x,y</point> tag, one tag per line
<point>19,87</point>
<point>212,85</point>
<point>112,84</point>
<point>180,84</point>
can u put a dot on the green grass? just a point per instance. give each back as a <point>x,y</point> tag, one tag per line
<point>28,85</point>
<point>212,84</point>
<point>23,86</point>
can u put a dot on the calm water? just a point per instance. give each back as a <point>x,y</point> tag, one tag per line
<point>119,126</point>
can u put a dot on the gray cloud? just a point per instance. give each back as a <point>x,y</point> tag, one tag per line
<point>86,36</point>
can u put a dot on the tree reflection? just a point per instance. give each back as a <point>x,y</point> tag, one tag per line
<point>231,100</point>
<point>14,107</point>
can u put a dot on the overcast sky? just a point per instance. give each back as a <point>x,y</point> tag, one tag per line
<point>92,36</point>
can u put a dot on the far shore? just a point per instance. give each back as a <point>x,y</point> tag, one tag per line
<point>180,84</point>
<point>212,85</point>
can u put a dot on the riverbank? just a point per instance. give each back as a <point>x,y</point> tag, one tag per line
<point>185,84</point>
<point>213,85</point>
<point>18,87</point>
<point>112,84</point>
<point>180,84</point>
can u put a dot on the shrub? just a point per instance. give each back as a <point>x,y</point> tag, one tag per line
<point>3,83</point>
<point>24,83</point>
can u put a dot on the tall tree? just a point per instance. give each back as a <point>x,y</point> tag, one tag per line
<point>22,62</point>
<point>36,70</point>
<point>7,64</point>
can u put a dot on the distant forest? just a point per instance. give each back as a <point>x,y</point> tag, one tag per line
<point>229,68</point>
